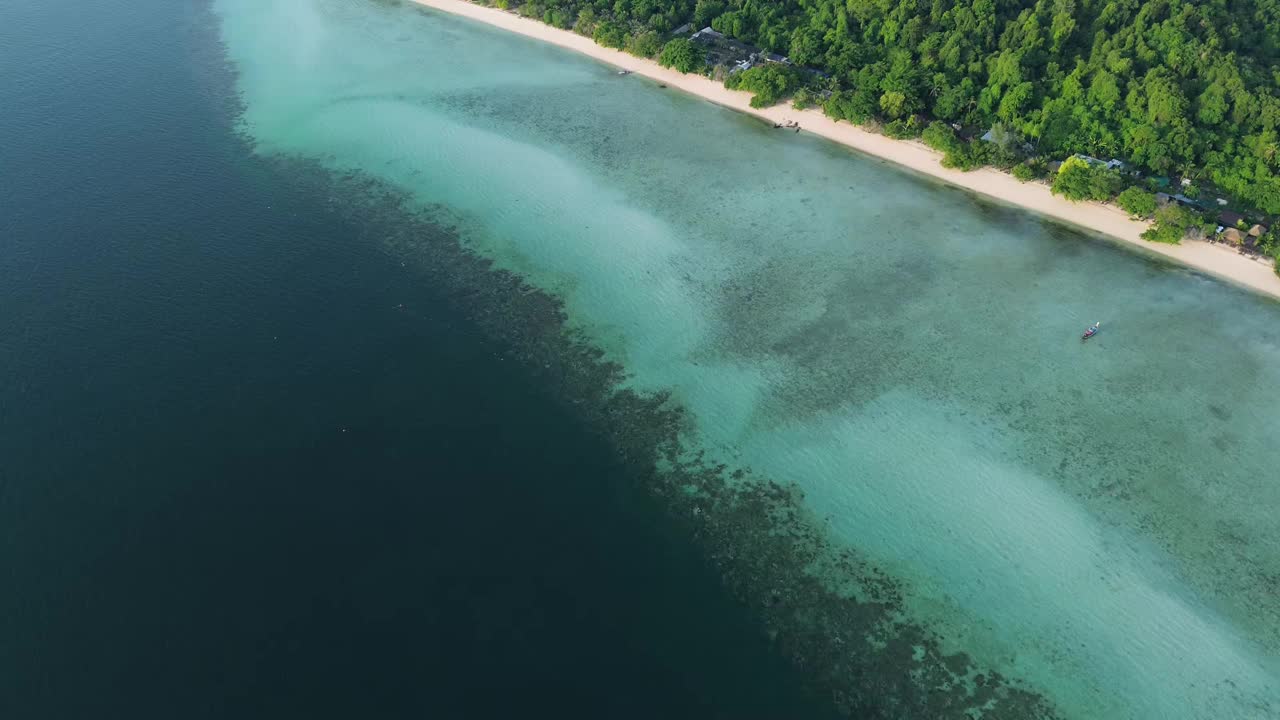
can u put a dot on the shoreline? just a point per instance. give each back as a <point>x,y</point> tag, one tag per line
<point>1110,221</point>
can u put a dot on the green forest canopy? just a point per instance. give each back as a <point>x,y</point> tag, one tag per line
<point>1173,86</point>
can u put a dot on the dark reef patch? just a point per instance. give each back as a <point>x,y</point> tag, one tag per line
<point>853,647</point>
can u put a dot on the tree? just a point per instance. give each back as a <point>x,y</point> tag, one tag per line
<point>956,153</point>
<point>683,55</point>
<point>856,106</point>
<point>1064,23</point>
<point>1212,105</point>
<point>586,24</point>
<point>901,129</point>
<point>1104,92</point>
<point>767,83</point>
<point>803,99</point>
<point>1137,202</point>
<point>1078,180</point>
<point>957,100</point>
<point>1016,101</point>
<point>1164,100</point>
<point>1172,224</point>
<point>894,104</point>
<point>1269,243</point>
<point>706,11</point>
<point>806,47</point>
<point>1024,172</point>
<point>941,137</point>
<point>609,34</point>
<point>645,44</point>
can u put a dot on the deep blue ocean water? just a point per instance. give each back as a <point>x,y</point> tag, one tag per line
<point>252,466</point>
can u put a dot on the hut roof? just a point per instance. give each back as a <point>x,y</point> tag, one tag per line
<point>1233,235</point>
<point>1258,230</point>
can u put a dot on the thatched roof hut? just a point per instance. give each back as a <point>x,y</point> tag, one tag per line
<point>1257,231</point>
<point>1233,236</point>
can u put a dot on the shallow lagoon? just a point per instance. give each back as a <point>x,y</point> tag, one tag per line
<point>1094,521</point>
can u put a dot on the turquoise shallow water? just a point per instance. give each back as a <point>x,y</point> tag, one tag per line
<point>1096,521</point>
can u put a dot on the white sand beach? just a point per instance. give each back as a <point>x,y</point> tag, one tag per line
<point>1213,259</point>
